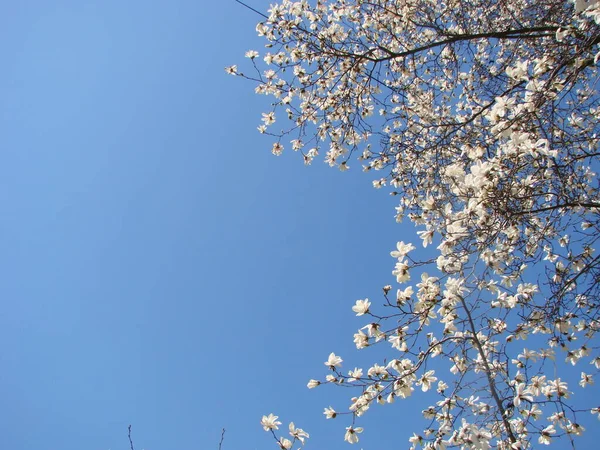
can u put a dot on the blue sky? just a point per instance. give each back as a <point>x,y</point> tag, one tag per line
<point>160,267</point>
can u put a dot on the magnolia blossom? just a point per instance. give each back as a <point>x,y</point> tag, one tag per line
<point>277,149</point>
<point>546,434</point>
<point>415,439</point>
<point>403,295</point>
<point>483,122</point>
<point>361,307</point>
<point>402,250</point>
<point>285,443</point>
<point>426,380</point>
<point>333,361</point>
<point>298,433</point>
<point>401,272</point>
<point>352,434</point>
<point>586,379</point>
<point>521,394</point>
<point>268,118</point>
<point>270,422</point>
<point>330,413</point>
<point>355,374</point>
<point>361,340</point>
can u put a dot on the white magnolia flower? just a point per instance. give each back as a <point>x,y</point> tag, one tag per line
<point>398,342</point>
<point>268,118</point>
<point>284,444</point>
<point>521,393</point>
<point>333,361</point>
<point>403,295</point>
<point>534,412</point>
<point>270,422</point>
<point>361,340</point>
<point>277,149</point>
<point>330,413</point>
<point>546,433</point>
<point>313,384</point>
<point>401,272</point>
<point>402,250</point>
<point>298,433</point>
<point>442,386</point>
<point>355,374</point>
<point>361,307</point>
<point>415,439</point>
<point>518,72</point>
<point>586,380</point>
<point>575,429</point>
<point>426,236</point>
<point>426,380</point>
<point>351,434</point>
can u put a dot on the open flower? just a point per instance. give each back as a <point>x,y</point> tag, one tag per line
<point>333,361</point>
<point>330,413</point>
<point>351,434</point>
<point>270,422</point>
<point>361,307</point>
<point>402,250</point>
<point>298,433</point>
<point>426,380</point>
<point>521,393</point>
<point>546,434</point>
<point>284,444</point>
<point>401,272</point>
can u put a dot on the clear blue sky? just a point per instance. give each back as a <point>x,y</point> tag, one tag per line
<point>160,267</point>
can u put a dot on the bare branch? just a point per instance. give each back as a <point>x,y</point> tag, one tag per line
<point>129,435</point>
<point>222,437</point>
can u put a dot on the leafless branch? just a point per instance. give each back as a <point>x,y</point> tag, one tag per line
<point>129,435</point>
<point>222,436</point>
<point>252,9</point>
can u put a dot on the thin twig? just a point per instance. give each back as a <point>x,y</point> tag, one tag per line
<point>252,9</point>
<point>129,435</point>
<point>222,436</point>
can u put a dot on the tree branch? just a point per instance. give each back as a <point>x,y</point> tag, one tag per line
<point>252,9</point>
<point>129,435</point>
<point>488,373</point>
<point>222,437</point>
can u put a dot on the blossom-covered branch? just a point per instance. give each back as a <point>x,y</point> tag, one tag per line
<point>483,117</point>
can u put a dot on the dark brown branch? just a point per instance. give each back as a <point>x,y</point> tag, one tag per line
<point>129,435</point>
<point>524,33</point>
<point>564,205</point>
<point>488,373</point>
<point>252,9</point>
<point>222,436</point>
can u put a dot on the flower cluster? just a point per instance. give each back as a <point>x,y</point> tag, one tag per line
<point>483,118</point>
<point>298,435</point>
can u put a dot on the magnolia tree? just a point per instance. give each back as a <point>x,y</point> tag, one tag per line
<point>483,118</point>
